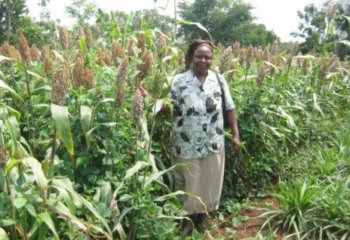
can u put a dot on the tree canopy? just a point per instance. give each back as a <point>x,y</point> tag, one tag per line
<point>326,29</point>
<point>226,20</point>
<point>10,13</point>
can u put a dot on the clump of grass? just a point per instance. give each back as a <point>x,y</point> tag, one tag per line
<point>295,202</point>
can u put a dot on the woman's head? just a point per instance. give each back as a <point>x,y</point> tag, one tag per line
<point>199,55</point>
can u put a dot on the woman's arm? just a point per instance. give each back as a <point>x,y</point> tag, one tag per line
<point>232,121</point>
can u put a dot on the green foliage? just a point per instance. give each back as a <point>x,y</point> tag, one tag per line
<point>324,29</point>
<point>227,22</point>
<point>82,11</point>
<point>10,13</point>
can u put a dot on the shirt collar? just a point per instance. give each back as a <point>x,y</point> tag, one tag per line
<point>192,77</point>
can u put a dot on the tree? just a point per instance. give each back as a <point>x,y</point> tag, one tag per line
<point>82,10</point>
<point>10,13</point>
<point>227,21</point>
<point>325,29</point>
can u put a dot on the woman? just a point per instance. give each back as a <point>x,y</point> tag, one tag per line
<point>198,133</point>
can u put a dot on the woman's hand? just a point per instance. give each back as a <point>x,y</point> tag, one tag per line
<point>235,144</point>
<point>235,141</point>
<point>143,91</point>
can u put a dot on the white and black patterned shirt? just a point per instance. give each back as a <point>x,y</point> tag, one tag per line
<point>198,123</point>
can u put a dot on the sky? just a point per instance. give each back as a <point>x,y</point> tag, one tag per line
<point>279,16</point>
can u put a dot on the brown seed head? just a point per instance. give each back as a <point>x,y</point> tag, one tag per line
<point>323,64</point>
<point>34,53</point>
<point>236,49</point>
<point>259,56</point>
<point>45,52</point>
<point>88,80</point>
<point>120,82</point>
<point>157,84</point>
<point>48,67</point>
<point>225,59</point>
<point>64,38</point>
<point>108,58</point>
<point>161,42</point>
<point>78,71</point>
<point>60,84</point>
<point>24,48</point>
<point>145,66</point>
<point>89,38</point>
<point>266,54</point>
<point>117,52</point>
<point>333,64</point>
<point>4,157</point>
<point>141,42</point>
<point>81,32</point>
<point>248,57</point>
<point>132,48</point>
<point>261,75</point>
<point>100,57</point>
<point>8,51</point>
<point>137,106</point>
<point>305,66</point>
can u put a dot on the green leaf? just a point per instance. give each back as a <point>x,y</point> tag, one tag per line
<point>137,167</point>
<point>157,106</point>
<point>157,175</point>
<point>7,222</point>
<point>45,217</point>
<point>3,85</point>
<point>346,43</point>
<point>62,183</point>
<point>3,235</point>
<point>19,202</point>
<point>62,210</point>
<point>197,24</point>
<point>61,120</point>
<point>11,164</point>
<point>169,196</point>
<point>30,208</point>
<point>37,170</point>
<point>2,180</point>
<point>85,120</point>
<point>82,44</point>
<point>316,105</point>
<point>14,131</point>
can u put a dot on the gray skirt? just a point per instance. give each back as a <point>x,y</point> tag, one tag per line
<point>202,179</point>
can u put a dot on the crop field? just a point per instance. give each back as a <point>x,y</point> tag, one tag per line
<point>84,156</point>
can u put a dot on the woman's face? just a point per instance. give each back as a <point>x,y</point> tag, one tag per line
<point>202,58</point>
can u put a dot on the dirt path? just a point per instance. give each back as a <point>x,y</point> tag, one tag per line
<point>249,228</point>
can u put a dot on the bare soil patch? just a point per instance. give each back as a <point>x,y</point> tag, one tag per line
<point>249,228</point>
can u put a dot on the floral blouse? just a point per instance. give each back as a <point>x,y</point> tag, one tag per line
<point>198,124</point>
